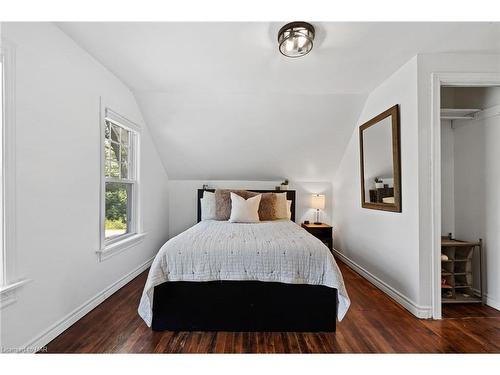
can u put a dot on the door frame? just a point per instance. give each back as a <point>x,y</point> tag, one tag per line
<point>439,80</point>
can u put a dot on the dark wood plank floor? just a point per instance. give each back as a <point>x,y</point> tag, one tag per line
<point>469,310</point>
<point>374,324</point>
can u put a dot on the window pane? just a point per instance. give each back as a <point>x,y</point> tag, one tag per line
<point>124,158</point>
<point>114,151</point>
<point>124,170</point>
<point>115,133</point>
<point>107,168</point>
<point>118,198</point>
<point>110,151</point>
<point>124,153</point>
<point>107,130</point>
<point>125,137</point>
<point>114,169</point>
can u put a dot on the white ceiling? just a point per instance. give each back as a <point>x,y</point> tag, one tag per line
<point>222,103</point>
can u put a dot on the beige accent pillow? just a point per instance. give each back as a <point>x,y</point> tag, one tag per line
<point>281,206</point>
<point>223,202</point>
<point>244,210</point>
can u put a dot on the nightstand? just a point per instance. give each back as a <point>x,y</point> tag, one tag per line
<point>321,231</point>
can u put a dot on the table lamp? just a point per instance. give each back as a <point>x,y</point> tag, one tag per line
<point>318,203</point>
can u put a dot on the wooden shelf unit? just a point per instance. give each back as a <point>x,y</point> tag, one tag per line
<point>457,271</point>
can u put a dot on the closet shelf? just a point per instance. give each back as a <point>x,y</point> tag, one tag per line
<point>456,273</point>
<point>459,113</point>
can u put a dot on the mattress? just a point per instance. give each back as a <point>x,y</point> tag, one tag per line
<point>274,251</point>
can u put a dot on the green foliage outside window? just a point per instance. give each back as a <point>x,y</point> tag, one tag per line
<point>116,205</point>
<point>115,224</point>
<point>116,166</point>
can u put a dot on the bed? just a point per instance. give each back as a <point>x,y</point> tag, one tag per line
<point>221,276</point>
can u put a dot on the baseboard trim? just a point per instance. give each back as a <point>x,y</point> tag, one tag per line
<point>492,302</point>
<point>421,312</point>
<point>63,324</point>
<point>487,300</point>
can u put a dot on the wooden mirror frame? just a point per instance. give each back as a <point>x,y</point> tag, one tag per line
<point>396,160</point>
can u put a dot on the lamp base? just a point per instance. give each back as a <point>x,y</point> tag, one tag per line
<point>317,222</point>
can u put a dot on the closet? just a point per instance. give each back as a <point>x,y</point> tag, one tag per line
<point>470,195</point>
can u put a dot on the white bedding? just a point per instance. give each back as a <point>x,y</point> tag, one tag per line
<point>279,251</point>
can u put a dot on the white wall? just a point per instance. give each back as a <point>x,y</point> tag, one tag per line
<point>183,196</point>
<point>477,194</point>
<point>385,244</point>
<point>58,169</point>
<point>447,179</point>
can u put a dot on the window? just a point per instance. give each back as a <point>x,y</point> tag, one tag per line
<point>9,283</point>
<point>120,181</point>
<point>2,263</point>
<point>120,209</point>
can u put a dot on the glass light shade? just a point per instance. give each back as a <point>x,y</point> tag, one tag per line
<point>318,202</point>
<point>296,39</point>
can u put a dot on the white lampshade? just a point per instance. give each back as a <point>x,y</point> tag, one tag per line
<point>318,201</point>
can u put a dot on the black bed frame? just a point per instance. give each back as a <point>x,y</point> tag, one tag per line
<point>251,306</point>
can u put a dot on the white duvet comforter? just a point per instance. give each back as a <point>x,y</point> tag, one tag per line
<point>279,251</point>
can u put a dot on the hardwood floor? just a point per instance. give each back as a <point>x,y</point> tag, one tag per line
<point>469,310</point>
<point>374,324</point>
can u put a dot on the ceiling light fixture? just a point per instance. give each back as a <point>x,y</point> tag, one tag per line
<point>296,39</point>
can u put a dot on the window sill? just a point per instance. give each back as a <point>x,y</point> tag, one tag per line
<point>8,292</point>
<point>119,246</point>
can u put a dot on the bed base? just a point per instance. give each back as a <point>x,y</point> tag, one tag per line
<point>249,306</point>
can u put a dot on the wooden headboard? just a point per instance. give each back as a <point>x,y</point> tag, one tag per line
<point>290,195</point>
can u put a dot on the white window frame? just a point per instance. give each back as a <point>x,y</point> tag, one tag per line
<point>9,282</point>
<point>3,272</point>
<point>135,235</point>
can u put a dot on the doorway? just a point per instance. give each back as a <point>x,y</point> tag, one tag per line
<point>439,81</point>
<point>470,200</point>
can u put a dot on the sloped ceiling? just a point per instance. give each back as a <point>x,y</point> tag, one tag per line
<point>222,103</point>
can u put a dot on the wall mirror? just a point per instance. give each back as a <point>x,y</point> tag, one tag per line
<point>381,162</point>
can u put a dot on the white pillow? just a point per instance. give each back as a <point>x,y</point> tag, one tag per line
<point>289,209</point>
<point>281,206</point>
<point>244,211</point>
<point>208,206</point>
